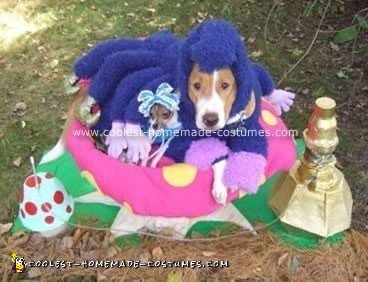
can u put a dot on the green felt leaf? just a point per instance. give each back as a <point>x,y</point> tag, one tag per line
<point>345,35</point>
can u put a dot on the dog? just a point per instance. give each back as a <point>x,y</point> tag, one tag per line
<point>213,95</point>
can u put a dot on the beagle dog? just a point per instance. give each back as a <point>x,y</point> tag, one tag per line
<point>213,96</point>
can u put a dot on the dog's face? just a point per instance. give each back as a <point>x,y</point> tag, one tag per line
<point>160,116</point>
<point>213,96</point>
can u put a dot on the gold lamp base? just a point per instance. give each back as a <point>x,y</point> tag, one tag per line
<point>324,209</point>
<point>314,196</point>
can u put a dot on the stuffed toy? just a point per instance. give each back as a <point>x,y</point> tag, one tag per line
<point>121,68</point>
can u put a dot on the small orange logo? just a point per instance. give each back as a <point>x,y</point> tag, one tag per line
<point>19,264</point>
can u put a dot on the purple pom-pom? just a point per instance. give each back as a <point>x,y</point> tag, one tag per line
<point>204,152</point>
<point>244,170</point>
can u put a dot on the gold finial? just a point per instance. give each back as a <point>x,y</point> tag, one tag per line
<point>314,196</point>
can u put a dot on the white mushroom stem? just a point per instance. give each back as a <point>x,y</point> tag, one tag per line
<point>31,159</point>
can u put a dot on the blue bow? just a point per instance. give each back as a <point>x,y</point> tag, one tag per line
<point>164,95</point>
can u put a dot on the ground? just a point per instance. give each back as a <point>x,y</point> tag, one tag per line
<point>40,40</point>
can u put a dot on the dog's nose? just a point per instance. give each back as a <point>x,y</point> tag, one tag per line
<point>155,126</point>
<point>210,119</point>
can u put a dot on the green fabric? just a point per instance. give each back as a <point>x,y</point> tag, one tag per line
<point>254,207</point>
<point>94,214</point>
<point>256,210</point>
<point>66,170</point>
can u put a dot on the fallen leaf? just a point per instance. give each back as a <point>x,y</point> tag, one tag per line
<point>251,40</point>
<point>100,276</point>
<point>257,270</point>
<point>5,228</point>
<point>64,116</point>
<point>256,54</point>
<point>339,165</point>
<point>20,108</point>
<point>17,161</point>
<point>334,47</point>
<point>66,243</point>
<point>175,276</point>
<point>76,236</point>
<point>1,135</point>
<point>341,74</point>
<point>208,253</point>
<point>33,272</point>
<point>305,91</point>
<point>157,252</point>
<point>23,124</point>
<point>282,259</point>
<point>54,63</point>
<point>111,252</point>
<point>144,255</point>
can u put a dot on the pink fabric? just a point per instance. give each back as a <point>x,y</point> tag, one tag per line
<point>282,151</point>
<point>204,152</point>
<point>244,171</point>
<point>84,82</point>
<point>145,189</point>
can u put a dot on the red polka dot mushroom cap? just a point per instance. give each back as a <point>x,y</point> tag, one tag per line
<point>44,203</point>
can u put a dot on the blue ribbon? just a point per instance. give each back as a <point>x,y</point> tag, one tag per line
<point>164,95</point>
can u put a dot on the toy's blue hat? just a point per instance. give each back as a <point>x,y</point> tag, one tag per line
<point>216,44</point>
<point>164,95</point>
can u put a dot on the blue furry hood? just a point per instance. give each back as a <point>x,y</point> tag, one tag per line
<point>216,44</point>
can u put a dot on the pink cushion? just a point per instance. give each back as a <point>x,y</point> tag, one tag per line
<point>171,190</point>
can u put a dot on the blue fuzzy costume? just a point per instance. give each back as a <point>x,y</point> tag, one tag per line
<point>122,68</point>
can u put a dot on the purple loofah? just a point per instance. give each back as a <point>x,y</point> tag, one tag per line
<point>204,152</point>
<point>244,170</point>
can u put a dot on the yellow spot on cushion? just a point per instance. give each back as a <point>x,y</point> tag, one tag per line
<point>262,180</point>
<point>179,175</point>
<point>128,207</point>
<point>269,118</point>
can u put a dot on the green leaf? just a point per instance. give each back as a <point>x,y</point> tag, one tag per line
<point>362,21</point>
<point>341,74</point>
<point>347,34</point>
<point>319,92</point>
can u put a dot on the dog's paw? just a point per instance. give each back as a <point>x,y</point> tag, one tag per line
<point>219,193</point>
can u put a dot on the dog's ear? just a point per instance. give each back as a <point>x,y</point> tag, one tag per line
<point>251,106</point>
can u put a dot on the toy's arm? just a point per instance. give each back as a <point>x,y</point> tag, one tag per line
<point>282,100</point>
<point>247,161</point>
<point>125,111</point>
<point>125,103</point>
<point>88,65</point>
<point>115,68</point>
<point>264,78</point>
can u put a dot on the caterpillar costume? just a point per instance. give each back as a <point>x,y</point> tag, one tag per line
<point>121,68</point>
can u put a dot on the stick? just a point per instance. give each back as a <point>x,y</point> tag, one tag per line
<point>310,46</point>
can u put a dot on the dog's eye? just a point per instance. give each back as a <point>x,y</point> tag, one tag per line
<point>166,115</point>
<point>197,85</point>
<point>225,85</point>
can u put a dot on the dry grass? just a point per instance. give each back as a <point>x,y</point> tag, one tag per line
<point>257,258</point>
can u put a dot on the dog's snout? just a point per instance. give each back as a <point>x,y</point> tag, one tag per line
<point>155,126</point>
<point>210,119</point>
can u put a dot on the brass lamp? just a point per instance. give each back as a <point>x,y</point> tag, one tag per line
<point>314,196</point>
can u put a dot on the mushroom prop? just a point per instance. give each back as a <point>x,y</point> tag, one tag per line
<point>44,204</point>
